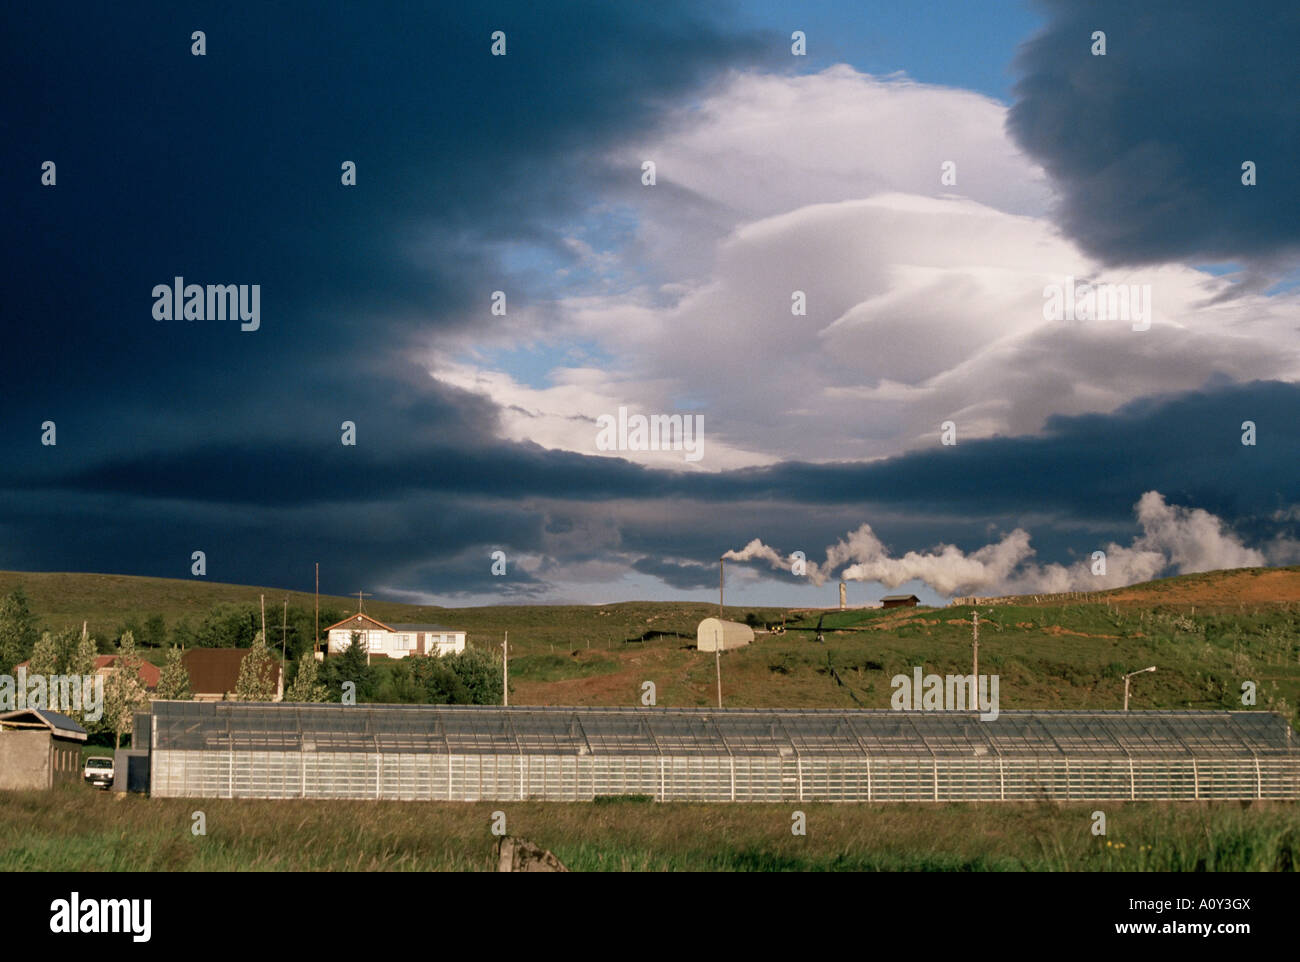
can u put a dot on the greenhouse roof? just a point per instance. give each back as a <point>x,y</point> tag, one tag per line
<point>480,730</point>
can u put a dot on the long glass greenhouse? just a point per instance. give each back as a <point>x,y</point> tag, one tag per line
<point>461,753</point>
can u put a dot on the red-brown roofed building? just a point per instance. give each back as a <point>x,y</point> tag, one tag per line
<point>106,664</point>
<point>149,673</point>
<point>214,672</point>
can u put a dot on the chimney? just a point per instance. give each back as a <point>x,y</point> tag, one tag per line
<point>843,597</point>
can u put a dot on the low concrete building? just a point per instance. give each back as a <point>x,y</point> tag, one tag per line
<point>714,634</point>
<point>131,765</point>
<point>39,748</point>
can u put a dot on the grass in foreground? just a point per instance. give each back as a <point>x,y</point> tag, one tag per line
<point>78,829</point>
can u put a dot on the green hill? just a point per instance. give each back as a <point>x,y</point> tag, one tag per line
<point>1046,655</point>
<point>105,602</point>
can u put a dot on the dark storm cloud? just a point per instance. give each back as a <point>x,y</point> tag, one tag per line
<point>225,169</point>
<point>378,510</point>
<point>687,575</point>
<point>1187,446</point>
<point>1146,143</point>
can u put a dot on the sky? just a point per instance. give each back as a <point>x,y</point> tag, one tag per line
<point>846,281</point>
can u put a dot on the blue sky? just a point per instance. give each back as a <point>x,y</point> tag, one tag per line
<point>948,42</point>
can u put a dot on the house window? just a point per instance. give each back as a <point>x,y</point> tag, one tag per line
<point>376,640</point>
<point>408,642</point>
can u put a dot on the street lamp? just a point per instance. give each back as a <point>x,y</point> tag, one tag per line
<point>1130,675</point>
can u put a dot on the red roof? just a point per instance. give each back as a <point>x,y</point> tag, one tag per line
<point>149,672</point>
<point>215,671</point>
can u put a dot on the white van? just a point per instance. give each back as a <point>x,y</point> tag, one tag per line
<point>99,771</point>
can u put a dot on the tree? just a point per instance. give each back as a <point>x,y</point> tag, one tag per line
<point>79,661</point>
<point>18,632</point>
<point>401,685</point>
<point>480,673</point>
<point>227,625</point>
<point>183,634</point>
<point>124,692</point>
<point>48,656</point>
<point>306,687</point>
<point>349,665</point>
<point>470,677</point>
<point>256,673</point>
<point>132,625</point>
<point>155,632</point>
<point>174,679</point>
<point>82,661</point>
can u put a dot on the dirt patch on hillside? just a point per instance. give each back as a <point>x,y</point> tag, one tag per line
<point>886,622</point>
<point>619,687</point>
<point>1250,586</point>
<point>1058,630</point>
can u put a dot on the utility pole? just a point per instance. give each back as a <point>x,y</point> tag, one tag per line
<point>284,630</point>
<point>263,597</point>
<point>721,563</point>
<point>975,623</point>
<point>717,662</point>
<point>505,671</point>
<point>316,644</point>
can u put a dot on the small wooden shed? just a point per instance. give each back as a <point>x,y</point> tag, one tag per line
<point>39,748</point>
<point>899,601</point>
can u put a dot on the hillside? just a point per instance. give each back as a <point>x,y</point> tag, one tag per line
<point>63,600</point>
<point>1233,588</point>
<point>1206,634</point>
<point>1242,586</point>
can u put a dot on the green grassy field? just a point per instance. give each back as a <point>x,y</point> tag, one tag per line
<point>1046,655</point>
<point>65,600</point>
<point>79,829</point>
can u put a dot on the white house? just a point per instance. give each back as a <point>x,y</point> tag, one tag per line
<point>394,641</point>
